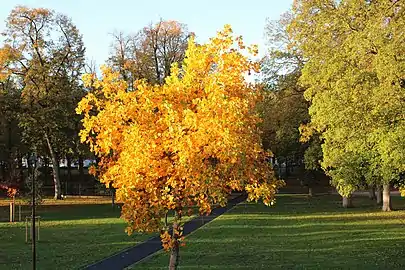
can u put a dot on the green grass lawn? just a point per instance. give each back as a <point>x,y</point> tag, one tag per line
<point>297,233</point>
<point>71,236</point>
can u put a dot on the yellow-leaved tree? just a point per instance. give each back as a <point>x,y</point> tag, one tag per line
<point>186,143</point>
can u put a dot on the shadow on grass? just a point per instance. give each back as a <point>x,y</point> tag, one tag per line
<point>65,245</point>
<point>297,233</point>
<point>66,212</point>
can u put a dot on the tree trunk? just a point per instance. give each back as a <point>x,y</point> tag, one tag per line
<point>81,169</point>
<point>112,191</point>
<point>69,172</point>
<point>10,154</point>
<point>371,193</point>
<point>20,167</point>
<point>9,158</point>
<point>287,173</point>
<point>55,170</point>
<point>310,192</point>
<point>46,165</point>
<point>379,195</point>
<point>347,201</point>
<point>386,198</point>
<point>174,255</point>
<point>113,198</point>
<point>28,164</point>
<point>56,178</point>
<point>155,56</point>
<point>3,171</point>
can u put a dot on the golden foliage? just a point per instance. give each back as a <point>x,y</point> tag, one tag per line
<point>7,54</point>
<point>186,143</point>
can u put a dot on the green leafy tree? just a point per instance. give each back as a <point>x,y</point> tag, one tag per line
<point>354,74</point>
<point>285,109</point>
<point>44,52</point>
<point>312,164</point>
<point>11,146</point>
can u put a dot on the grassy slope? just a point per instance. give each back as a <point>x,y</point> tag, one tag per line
<point>297,233</point>
<point>70,236</point>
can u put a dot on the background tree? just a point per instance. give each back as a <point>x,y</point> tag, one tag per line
<point>46,56</point>
<point>150,53</point>
<point>186,143</point>
<point>284,108</point>
<point>312,164</point>
<point>283,111</point>
<point>354,74</point>
<point>11,147</point>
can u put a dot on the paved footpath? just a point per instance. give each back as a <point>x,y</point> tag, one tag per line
<point>135,254</point>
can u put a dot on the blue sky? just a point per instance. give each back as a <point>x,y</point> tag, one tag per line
<point>96,19</point>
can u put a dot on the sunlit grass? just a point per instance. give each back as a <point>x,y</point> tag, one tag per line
<point>70,237</point>
<point>297,233</point>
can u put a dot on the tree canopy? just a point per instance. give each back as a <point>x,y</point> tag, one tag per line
<point>43,54</point>
<point>150,52</point>
<point>186,143</point>
<point>354,75</point>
